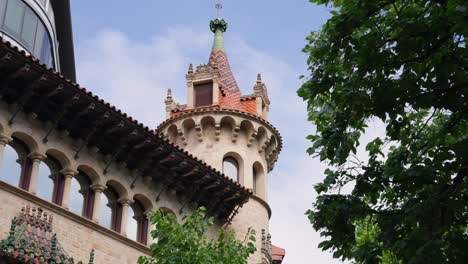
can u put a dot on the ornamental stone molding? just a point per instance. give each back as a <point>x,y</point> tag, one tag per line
<point>208,126</point>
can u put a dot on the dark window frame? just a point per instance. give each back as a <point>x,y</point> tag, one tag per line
<point>203,94</point>
<point>142,222</point>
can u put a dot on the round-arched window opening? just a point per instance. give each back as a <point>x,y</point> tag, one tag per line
<point>132,224</point>
<point>50,181</point>
<point>81,196</point>
<point>76,198</point>
<point>109,210</point>
<point>15,168</point>
<point>137,225</point>
<point>254,183</point>
<point>11,166</point>
<point>231,168</point>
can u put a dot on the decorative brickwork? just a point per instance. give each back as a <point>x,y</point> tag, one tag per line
<point>227,82</point>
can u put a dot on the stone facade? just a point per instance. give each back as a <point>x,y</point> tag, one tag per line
<point>112,156</point>
<point>77,234</point>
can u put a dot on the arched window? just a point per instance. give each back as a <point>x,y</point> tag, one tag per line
<point>258,180</point>
<point>81,196</point>
<point>50,181</point>
<point>11,166</point>
<point>110,210</point>
<point>16,166</point>
<point>231,168</point>
<point>254,180</point>
<point>132,224</point>
<point>137,226</point>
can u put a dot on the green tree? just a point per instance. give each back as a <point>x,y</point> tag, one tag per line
<point>403,63</point>
<point>187,243</point>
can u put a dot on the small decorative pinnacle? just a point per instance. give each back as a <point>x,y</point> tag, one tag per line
<point>53,247</point>
<point>91,257</point>
<point>190,69</point>
<point>14,223</point>
<point>259,79</point>
<point>169,93</point>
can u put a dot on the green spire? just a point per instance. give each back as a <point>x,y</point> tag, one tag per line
<point>218,26</point>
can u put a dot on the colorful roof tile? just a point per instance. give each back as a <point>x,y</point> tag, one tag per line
<point>31,240</point>
<point>231,96</point>
<point>277,254</point>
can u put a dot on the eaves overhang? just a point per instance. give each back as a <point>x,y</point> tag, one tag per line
<point>65,106</point>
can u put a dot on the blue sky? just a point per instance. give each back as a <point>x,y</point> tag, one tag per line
<point>130,52</point>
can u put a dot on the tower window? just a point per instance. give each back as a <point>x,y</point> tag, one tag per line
<point>203,93</point>
<point>231,168</point>
<point>254,183</point>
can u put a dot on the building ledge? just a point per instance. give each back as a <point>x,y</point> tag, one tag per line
<point>58,210</point>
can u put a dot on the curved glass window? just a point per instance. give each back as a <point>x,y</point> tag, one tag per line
<point>10,167</point>
<point>20,22</point>
<point>231,168</point>
<point>2,10</point>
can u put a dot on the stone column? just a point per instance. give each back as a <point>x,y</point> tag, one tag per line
<point>125,202</point>
<point>68,174</point>
<point>98,189</point>
<point>36,160</point>
<point>3,141</point>
<point>149,238</point>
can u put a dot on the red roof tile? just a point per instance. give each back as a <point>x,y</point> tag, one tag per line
<point>278,253</point>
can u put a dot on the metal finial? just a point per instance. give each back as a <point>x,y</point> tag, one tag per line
<point>259,78</point>
<point>219,6</point>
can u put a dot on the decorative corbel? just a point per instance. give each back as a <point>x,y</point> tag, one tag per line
<point>217,131</point>
<point>181,134</point>
<point>235,133</point>
<point>198,129</point>
<point>252,138</point>
<point>264,145</point>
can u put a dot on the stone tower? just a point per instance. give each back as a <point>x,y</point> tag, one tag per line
<point>230,132</point>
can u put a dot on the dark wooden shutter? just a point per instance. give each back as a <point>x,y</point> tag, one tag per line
<point>203,94</point>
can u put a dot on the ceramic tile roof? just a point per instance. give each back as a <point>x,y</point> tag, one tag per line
<point>31,240</point>
<point>277,254</point>
<point>231,98</point>
<point>250,105</point>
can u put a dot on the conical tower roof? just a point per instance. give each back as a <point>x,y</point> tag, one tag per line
<point>219,60</point>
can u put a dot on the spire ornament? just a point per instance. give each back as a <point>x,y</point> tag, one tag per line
<point>219,7</point>
<point>218,24</point>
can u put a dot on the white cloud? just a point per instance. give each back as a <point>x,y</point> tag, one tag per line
<point>134,76</point>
